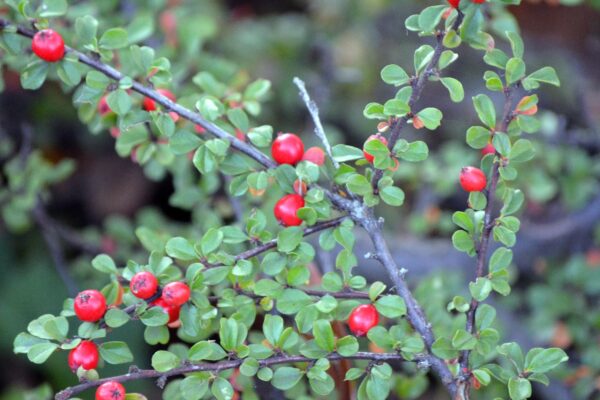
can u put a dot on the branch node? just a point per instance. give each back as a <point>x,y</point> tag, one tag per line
<point>161,382</point>
<point>133,369</point>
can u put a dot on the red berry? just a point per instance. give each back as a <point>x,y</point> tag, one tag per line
<point>85,355</point>
<point>287,149</point>
<point>110,390</point>
<point>149,105</point>
<point>478,1</point>
<point>103,107</point>
<point>472,179</point>
<point>90,305</point>
<point>143,285</point>
<point>369,157</point>
<point>176,293</point>
<point>286,210</point>
<point>48,45</point>
<point>300,187</point>
<point>315,155</point>
<point>488,149</point>
<point>454,3</point>
<point>173,311</point>
<point>363,318</point>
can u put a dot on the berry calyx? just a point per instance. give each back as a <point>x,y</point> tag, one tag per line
<point>90,305</point>
<point>172,311</point>
<point>368,156</point>
<point>287,148</point>
<point>143,285</point>
<point>316,155</point>
<point>286,210</point>
<point>363,318</point>
<point>176,294</point>
<point>454,3</point>
<point>488,149</point>
<point>110,390</point>
<point>85,355</point>
<point>149,105</point>
<point>48,45</point>
<point>472,179</point>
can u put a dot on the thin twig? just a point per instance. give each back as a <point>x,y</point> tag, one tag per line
<point>222,366</point>
<point>56,251</point>
<point>313,109</point>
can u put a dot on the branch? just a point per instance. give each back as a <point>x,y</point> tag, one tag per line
<point>482,247</point>
<point>51,237</point>
<point>314,113</point>
<point>418,87</point>
<point>221,366</point>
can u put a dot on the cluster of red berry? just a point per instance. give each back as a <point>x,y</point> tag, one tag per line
<point>90,306</point>
<point>455,3</point>
<point>288,148</point>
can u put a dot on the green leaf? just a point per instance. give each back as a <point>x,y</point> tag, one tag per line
<point>504,235</point>
<point>323,334</point>
<point>272,328</point>
<point>292,301</point>
<point>422,57</point>
<point>485,110</point>
<point>480,289</point>
<point>154,316</point>
<point>519,388</point>
<point>261,136</point>
<point>249,367</point>
<point>222,389</point>
<point>24,341</point>
<point>515,70</point>
<point>164,361</point>
<point>544,360</point>
<point>430,17</point>
<point>463,340</point>
<point>39,353</point>
<point>395,107</point>
<point>516,43</point>
<point>431,117</point>
<point>181,249</point>
<point>344,153</point>
<point>257,89</point>
<point>544,75</point>
<point>455,88</point>
<point>353,374</point>
<point>394,75</point>
<point>286,378</point>
<point>115,352</point>
<point>115,317</point>
<point>347,346</point>
<point>211,241</point>
<point>485,316</point>
<point>289,238</point>
<point>205,350</point>
<point>392,195</point>
<point>372,111</point>
<point>521,151</point>
<point>462,241</point>
<point>34,75</point>
<point>115,38</point>
<point>104,263</point>
<point>391,306</point>
<point>193,387</point>
<point>416,151</point>
<point>443,348</point>
<point>501,258</point>
<point>119,101</point>
<point>478,137</point>
<point>53,8</point>
<point>501,143</point>
<point>359,184</point>
<point>482,376</point>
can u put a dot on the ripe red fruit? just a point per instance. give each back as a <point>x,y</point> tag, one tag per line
<point>287,148</point>
<point>176,294</point>
<point>363,318</point>
<point>90,305</point>
<point>173,311</point>
<point>315,155</point>
<point>48,45</point>
<point>103,107</point>
<point>286,210</point>
<point>110,390</point>
<point>488,149</point>
<point>149,105</point>
<point>454,3</point>
<point>85,355</point>
<point>369,157</point>
<point>143,285</point>
<point>300,187</point>
<point>472,179</point>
